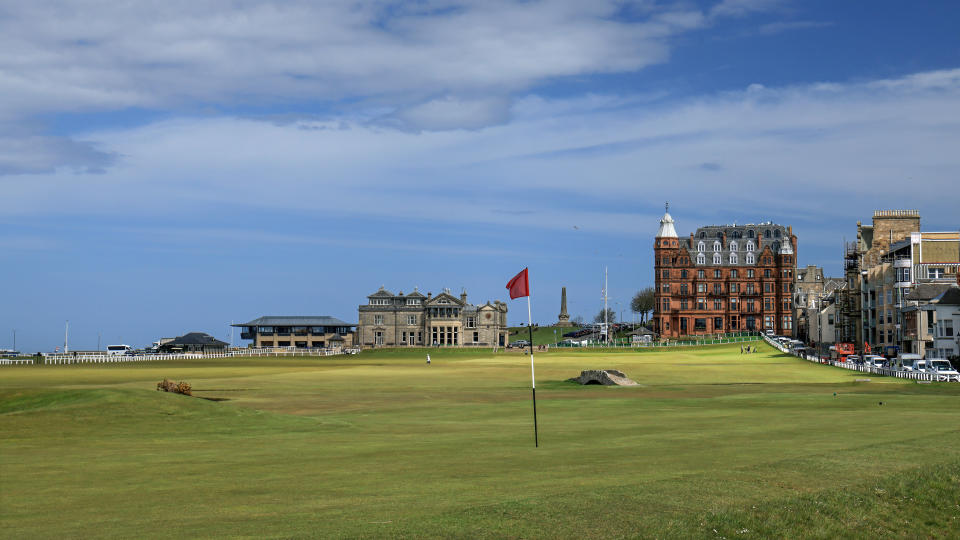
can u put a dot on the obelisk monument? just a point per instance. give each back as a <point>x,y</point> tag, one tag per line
<point>564,318</point>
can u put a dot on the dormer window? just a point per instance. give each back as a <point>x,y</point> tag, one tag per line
<point>701,247</point>
<point>717,258</point>
<point>750,233</point>
<point>751,246</point>
<point>733,257</point>
<point>379,302</point>
<point>766,233</point>
<point>701,258</point>
<point>733,246</point>
<point>776,233</point>
<point>750,259</point>
<point>717,246</point>
<point>413,301</point>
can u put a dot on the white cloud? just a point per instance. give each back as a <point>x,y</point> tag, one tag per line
<point>453,113</point>
<point>392,59</point>
<point>41,154</point>
<point>604,162</point>
<point>740,8</point>
<point>784,26</point>
<point>108,55</point>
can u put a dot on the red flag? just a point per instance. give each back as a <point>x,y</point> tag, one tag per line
<point>520,285</point>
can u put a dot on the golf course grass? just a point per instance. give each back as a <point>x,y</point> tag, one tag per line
<point>711,443</point>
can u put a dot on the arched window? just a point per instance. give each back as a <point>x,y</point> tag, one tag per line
<point>750,233</point>
<point>701,247</point>
<point>751,246</point>
<point>701,258</point>
<point>766,233</point>
<point>717,246</point>
<point>716,258</point>
<point>776,247</point>
<point>733,246</point>
<point>703,234</point>
<point>733,257</point>
<point>750,258</point>
<point>737,234</point>
<point>776,233</point>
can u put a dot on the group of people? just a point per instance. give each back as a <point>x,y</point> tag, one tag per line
<point>747,349</point>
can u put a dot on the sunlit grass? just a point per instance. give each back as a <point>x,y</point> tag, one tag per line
<point>381,444</point>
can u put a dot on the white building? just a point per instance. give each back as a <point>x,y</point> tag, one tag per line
<point>946,339</point>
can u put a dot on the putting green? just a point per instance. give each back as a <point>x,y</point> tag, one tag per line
<point>381,444</point>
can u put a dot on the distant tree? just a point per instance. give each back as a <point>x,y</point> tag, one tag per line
<point>643,302</point>
<point>577,321</point>
<point>611,316</point>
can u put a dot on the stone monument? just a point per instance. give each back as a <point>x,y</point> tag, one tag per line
<point>564,318</point>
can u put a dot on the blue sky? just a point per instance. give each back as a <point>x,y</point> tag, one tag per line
<point>174,167</point>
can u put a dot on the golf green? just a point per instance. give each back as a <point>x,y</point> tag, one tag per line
<point>711,443</point>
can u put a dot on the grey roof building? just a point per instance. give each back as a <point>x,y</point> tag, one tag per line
<point>194,342</point>
<point>299,331</point>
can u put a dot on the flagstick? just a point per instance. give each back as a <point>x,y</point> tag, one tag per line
<point>533,379</point>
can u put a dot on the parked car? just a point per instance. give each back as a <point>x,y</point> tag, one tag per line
<point>855,358</point>
<point>875,361</point>
<point>571,343</point>
<point>520,343</point>
<point>943,370</point>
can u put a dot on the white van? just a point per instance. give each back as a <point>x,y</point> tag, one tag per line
<point>907,361</point>
<point>118,350</point>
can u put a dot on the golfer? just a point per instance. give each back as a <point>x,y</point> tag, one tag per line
<point>428,359</point>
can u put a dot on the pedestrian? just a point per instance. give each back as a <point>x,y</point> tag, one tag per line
<point>741,349</point>
<point>428,359</point>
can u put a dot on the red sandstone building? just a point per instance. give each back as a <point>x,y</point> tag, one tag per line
<point>724,278</point>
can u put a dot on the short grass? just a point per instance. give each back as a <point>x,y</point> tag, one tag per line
<point>542,335</point>
<point>711,444</point>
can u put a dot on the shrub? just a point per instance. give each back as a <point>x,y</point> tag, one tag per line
<point>177,388</point>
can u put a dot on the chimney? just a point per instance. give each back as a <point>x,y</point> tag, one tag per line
<point>429,294</point>
<point>463,296</point>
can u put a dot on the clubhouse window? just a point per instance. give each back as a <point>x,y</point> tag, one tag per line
<point>283,344</point>
<point>318,344</point>
<point>699,324</point>
<point>266,343</point>
<point>301,344</point>
<point>718,323</point>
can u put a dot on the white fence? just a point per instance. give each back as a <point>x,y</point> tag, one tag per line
<point>87,358</point>
<point>15,361</point>
<point>866,368</point>
<point>622,343</point>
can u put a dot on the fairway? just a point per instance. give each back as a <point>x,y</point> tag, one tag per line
<point>711,443</point>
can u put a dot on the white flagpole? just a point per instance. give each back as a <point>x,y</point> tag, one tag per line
<point>533,379</point>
